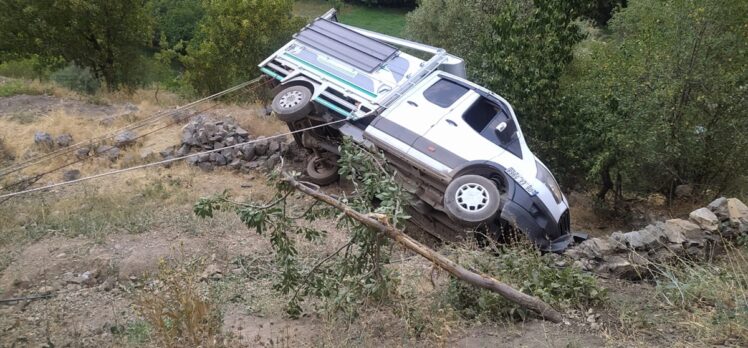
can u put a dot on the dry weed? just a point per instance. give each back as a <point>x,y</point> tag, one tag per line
<point>177,310</point>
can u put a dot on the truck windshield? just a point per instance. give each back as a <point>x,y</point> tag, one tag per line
<point>444,93</point>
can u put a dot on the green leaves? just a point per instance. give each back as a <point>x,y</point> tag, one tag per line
<point>232,38</point>
<point>353,274</point>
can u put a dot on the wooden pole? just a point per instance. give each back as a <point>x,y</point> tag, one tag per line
<point>533,303</point>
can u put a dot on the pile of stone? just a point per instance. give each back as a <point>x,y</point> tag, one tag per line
<point>46,140</point>
<point>631,255</point>
<point>203,134</point>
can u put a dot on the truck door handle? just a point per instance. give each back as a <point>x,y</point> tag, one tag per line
<point>452,123</point>
<point>412,103</point>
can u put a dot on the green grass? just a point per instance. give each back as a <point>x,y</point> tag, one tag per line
<point>383,20</point>
<point>15,87</point>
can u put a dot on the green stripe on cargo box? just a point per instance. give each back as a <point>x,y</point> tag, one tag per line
<point>334,107</point>
<point>271,73</point>
<point>330,74</point>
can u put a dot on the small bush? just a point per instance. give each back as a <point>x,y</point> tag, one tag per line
<point>77,79</point>
<point>16,87</point>
<point>178,313</point>
<point>529,272</point>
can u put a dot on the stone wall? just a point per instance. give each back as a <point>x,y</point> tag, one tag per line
<point>203,134</point>
<point>629,255</point>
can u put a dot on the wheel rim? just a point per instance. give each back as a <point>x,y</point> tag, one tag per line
<point>291,99</point>
<point>323,165</point>
<point>472,197</point>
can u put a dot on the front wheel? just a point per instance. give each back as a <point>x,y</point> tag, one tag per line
<point>293,103</point>
<point>471,200</point>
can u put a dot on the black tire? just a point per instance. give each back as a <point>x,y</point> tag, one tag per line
<point>323,170</point>
<point>292,103</point>
<point>471,200</point>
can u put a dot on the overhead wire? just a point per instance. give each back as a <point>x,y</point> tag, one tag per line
<point>132,126</point>
<point>31,180</point>
<point>165,161</point>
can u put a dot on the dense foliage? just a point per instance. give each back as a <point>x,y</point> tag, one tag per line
<point>233,37</point>
<point>663,100</point>
<point>105,36</point>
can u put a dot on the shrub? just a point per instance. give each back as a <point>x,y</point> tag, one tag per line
<point>76,78</point>
<point>178,314</point>
<point>528,271</point>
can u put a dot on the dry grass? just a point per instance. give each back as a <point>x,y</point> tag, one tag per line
<point>176,309</point>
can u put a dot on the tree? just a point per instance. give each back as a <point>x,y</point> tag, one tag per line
<point>105,36</point>
<point>176,20</point>
<point>233,37</point>
<point>663,100</point>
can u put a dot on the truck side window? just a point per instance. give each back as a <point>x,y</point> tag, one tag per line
<point>444,93</point>
<point>480,114</point>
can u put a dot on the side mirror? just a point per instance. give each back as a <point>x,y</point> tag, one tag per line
<point>501,127</point>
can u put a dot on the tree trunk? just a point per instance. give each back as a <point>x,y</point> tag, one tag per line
<point>533,303</point>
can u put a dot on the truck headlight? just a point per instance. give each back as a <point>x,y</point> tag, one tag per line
<point>547,178</point>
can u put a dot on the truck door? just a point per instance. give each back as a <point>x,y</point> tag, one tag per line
<point>458,137</point>
<point>418,111</point>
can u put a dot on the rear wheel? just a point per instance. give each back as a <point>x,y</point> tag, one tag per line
<point>471,200</point>
<point>323,169</point>
<point>293,103</point>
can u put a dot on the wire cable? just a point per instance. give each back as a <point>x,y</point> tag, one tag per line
<point>135,125</point>
<point>124,170</point>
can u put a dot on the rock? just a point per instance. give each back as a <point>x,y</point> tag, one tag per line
<point>167,152</point>
<point>203,157</point>
<point>651,237</point>
<point>737,213</point>
<point>705,219</point>
<point>273,147</point>
<point>70,175</point>
<point>241,132</point>
<point>261,146</point>
<point>683,191</point>
<point>229,142</point>
<point>680,231</point>
<point>596,248</point>
<point>218,159</point>
<point>183,150</point>
<point>82,153</point>
<point>206,166</point>
<point>248,152</point>
<point>125,139</point>
<point>273,161</point>
<point>621,267</point>
<point>235,164</point>
<point>111,152</point>
<point>211,272</point>
<point>43,139</point>
<point>719,208</point>
<point>192,160</point>
<point>64,140</point>
<point>188,135</point>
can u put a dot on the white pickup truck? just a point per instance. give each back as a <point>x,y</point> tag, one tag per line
<point>458,146</point>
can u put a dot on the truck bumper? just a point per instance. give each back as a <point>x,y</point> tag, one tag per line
<point>531,216</point>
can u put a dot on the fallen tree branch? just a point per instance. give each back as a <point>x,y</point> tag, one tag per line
<point>533,303</point>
